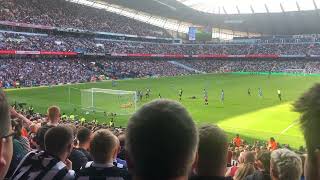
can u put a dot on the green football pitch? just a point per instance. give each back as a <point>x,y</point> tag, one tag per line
<point>254,118</point>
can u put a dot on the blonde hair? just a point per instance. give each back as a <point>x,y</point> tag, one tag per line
<point>243,171</point>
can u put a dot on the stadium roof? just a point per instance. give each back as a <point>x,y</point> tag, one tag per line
<point>251,6</point>
<point>268,21</point>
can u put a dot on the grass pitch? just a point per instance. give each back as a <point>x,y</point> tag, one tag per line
<point>251,116</point>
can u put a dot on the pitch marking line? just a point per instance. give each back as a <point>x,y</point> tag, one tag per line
<point>291,125</point>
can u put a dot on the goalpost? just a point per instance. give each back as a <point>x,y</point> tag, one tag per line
<point>108,100</point>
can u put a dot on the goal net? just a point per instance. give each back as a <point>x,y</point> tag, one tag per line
<point>109,101</point>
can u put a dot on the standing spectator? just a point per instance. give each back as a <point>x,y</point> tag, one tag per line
<point>53,116</point>
<point>285,165</point>
<point>309,107</point>
<point>161,142</point>
<point>263,167</point>
<point>212,154</point>
<point>272,144</point>
<point>77,157</point>
<point>237,141</point>
<point>84,137</point>
<point>39,138</point>
<point>51,163</point>
<point>104,148</point>
<point>122,139</point>
<point>6,134</point>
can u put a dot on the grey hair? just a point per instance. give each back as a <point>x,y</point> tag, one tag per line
<point>286,164</point>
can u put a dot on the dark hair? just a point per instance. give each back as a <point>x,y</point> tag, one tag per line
<point>264,157</point>
<point>83,135</point>
<point>4,114</point>
<point>309,107</point>
<point>39,138</point>
<point>212,150</point>
<point>57,139</point>
<point>17,126</point>
<point>161,140</point>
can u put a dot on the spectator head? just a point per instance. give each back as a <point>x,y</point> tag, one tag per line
<point>309,107</point>
<point>84,137</point>
<point>246,167</point>
<point>285,165</point>
<point>104,146</point>
<point>248,157</point>
<point>161,141</point>
<point>243,171</point>
<point>39,139</point>
<point>263,160</point>
<point>122,139</point>
<point>53,115</point>
<point>16,127</point>
<point>212,151</point>
<point>59,141</point>
<point>5,132</point>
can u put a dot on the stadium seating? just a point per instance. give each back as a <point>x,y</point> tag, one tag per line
<point>64,14</point>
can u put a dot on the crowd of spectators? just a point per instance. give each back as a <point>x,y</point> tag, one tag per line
<point>237,65</point>
<point>52,146</point>
<point>65,14</point>
<point>25,42</point>
<point>36,72</point>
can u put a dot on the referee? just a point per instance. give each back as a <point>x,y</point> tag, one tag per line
<point>279,95</point>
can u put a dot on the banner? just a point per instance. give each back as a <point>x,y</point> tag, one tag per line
<point>28,52</point>
<point>9,23</point>
<point>58,53</point>
<point>7,52</point>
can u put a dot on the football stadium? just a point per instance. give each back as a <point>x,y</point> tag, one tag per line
<point>159,89</point>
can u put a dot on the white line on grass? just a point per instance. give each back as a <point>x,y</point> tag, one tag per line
<point>291,125</point>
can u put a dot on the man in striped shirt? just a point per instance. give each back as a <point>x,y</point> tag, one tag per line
<point>51,163</point>
<point>104,149</point>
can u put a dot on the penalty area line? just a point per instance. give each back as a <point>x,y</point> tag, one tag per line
<point>290,126</point>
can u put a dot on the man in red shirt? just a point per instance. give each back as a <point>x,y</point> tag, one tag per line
<point>237,141</point>
<point>272,145</point>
